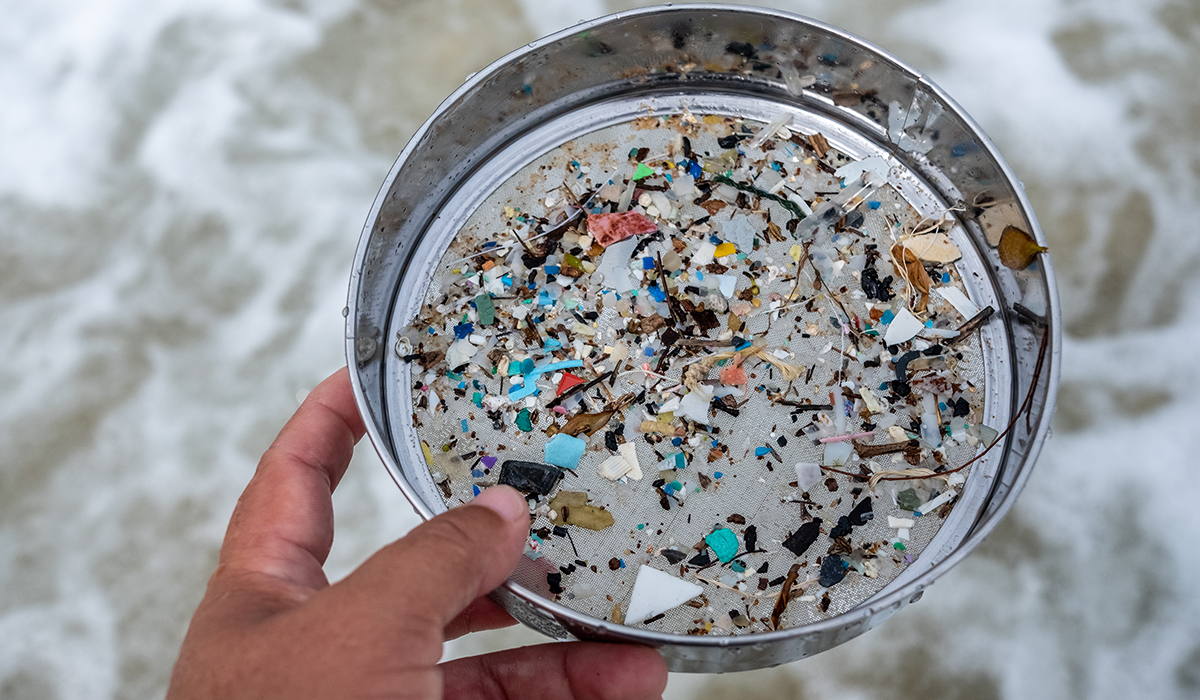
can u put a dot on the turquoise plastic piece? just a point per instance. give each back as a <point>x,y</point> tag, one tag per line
<point>723,542</point>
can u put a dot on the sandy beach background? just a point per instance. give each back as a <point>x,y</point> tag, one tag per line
<point>182,186</point>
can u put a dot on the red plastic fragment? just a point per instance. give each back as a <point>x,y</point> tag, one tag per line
<point>607,229</point>
<point>568,380</point>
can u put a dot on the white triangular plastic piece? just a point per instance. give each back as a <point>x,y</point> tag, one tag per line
<point>902,328</point>
<point>958,300</point>
<point>655,592</point>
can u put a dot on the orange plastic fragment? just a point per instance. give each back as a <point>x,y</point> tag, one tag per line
<point>488,264</point>
<point>734,375</point>
<point>568,380</point>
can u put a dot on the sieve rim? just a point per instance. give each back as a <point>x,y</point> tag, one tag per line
<point>1046,384</point>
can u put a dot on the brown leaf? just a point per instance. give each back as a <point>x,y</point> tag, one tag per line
<point>1017,249</point>
<point>913,271</point>
<point>586,422</point>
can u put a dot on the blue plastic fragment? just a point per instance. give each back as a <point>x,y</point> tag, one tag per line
<point>760,451</point>
<point>476,474</point>
<point>677,441</point>
<point>648,263</point>
<point>648,352</point>
<point>717,475</point>
<point>694,169</point>
<point>658,294</point>
<point>552,269</point>
<point>465,429</point>
<point>873,204</point>
<point>945,278</point>
<point>462,330</point>
<point>552,344</point>
<point>564,451</point>
<point>475,489</point>
<point>530,372</point>
<point>887,317</point>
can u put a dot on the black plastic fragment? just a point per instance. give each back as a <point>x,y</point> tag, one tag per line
<point>802,538</point>
<point>529,477</point>
<point>842,528</point>
<point>555,581</point>
<point>874,287</point>
<point>673,556</point>
<point>729,141</point>
<point>862,512</point>
<point>961,407</point>
<point>833,570</point>
<point>902,365</point>
<point>741,48</point>
<point>750,536</point>
<point>700,559</point>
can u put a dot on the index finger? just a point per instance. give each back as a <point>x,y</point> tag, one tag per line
<point>283,523</point>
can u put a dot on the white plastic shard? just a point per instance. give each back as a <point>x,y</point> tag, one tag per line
<point>936,503</point>
<point>875,167</point>
<point>614,266</point>
<point>656,592</point>
<point>694,406</point>
<point>629,451</point>
<point>807,475</point>
<point>624,463</point>
<point>958,300</point>
<point>902,328</point>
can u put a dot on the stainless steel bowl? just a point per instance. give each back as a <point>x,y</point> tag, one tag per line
<point>610,70</point>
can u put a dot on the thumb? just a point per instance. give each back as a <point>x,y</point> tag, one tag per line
<point>418,584</point>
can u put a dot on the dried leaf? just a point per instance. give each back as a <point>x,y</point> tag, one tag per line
<point>1018,249</point>
<point>913,271</point>
<point>785,595</point>
<point>933,247</point>
<point>591,423</point>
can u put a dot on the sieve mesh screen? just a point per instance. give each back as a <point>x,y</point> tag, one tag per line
<point>737,482</point>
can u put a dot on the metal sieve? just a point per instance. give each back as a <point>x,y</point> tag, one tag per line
<point>594,81</point>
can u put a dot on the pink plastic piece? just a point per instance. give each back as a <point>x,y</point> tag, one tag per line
<point>607,229</point>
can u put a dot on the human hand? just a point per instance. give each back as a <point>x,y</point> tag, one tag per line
<point>271,626</point>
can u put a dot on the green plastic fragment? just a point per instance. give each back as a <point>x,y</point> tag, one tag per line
<point>487,310</point>
<point>738,566</point>
<point>724,543</point>
<point>572,261</point>
<point>900,546</point>
<point>643,171</point>
<point>523,421</point>
<point>908,499</point>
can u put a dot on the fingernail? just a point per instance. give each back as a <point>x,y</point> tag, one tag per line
<point>505,501</point>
